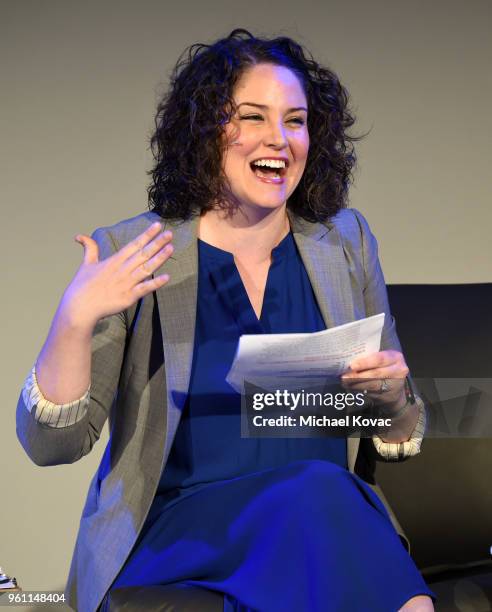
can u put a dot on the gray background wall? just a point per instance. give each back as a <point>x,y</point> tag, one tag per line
<point>79,85</point>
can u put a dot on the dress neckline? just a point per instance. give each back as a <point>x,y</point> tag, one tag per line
<point>223,261</point>
<point>283,249</point>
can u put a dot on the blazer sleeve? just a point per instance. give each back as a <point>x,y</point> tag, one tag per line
<point>376,301</point>
<point>56,434</point>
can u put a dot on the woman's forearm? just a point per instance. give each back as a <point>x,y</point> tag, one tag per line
<point>63,367</point>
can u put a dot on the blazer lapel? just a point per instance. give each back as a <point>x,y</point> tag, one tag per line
<point>178,319</point>
<point>321,250</point>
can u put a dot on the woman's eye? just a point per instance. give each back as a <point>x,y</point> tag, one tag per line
<point>297,120</point>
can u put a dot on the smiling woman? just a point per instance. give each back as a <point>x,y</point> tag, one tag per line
<point>214,98</point>
<point>270,133</point>
<point>252,166</point>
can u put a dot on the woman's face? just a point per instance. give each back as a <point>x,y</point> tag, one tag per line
<point>270,127</point>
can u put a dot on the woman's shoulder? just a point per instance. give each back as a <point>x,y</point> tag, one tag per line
<point>355,233</point>
<point>350,222</point>
<point>126,230</point>
<point>111,238</point>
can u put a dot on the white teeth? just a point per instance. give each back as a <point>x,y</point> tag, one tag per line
<point>271,163</point>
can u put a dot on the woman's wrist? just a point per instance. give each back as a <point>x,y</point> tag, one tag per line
<point>398,411</point>
<point>74,320</point>
<point>402,405</point>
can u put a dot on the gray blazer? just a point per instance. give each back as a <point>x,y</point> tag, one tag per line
<point>141,363</point>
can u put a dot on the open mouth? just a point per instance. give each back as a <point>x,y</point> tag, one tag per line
<point>272,171</point>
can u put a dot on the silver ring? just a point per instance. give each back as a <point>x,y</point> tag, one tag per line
<point>385,386</point>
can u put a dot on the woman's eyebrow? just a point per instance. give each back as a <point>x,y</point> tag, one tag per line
<point>265,107</point>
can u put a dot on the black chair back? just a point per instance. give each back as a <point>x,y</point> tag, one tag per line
<point>443,497</point>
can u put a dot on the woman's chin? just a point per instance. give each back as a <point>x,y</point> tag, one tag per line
<point>264,204</point>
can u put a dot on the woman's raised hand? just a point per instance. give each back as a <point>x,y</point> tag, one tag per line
<point>103,288</point>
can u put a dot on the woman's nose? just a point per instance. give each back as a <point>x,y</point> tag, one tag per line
<point>276,137</point>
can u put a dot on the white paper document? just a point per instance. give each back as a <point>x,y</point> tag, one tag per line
<point>272,361</point>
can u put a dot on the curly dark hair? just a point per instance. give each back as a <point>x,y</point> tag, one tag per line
<point>187,145</point>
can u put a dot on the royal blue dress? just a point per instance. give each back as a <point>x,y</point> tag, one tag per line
<point>276,524</point>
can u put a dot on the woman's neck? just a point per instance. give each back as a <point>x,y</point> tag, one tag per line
<point>250,237</point>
